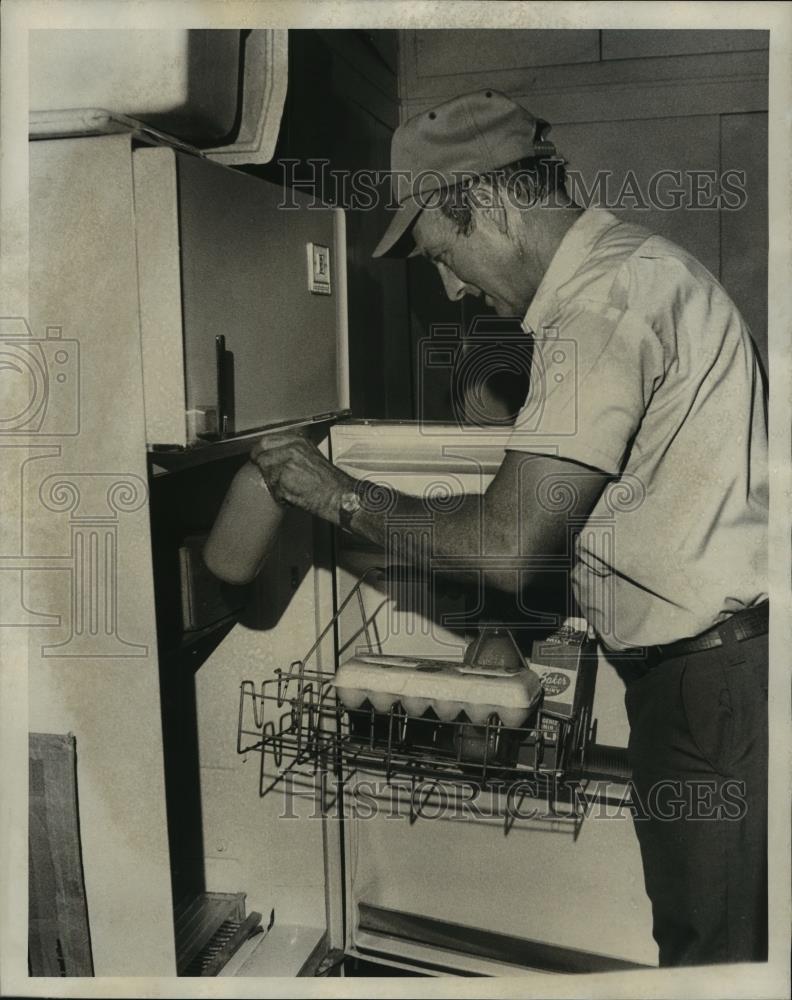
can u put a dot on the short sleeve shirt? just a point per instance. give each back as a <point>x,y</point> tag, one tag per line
<point>644,369</point>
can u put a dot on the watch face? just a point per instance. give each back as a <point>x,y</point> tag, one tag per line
<point>350,502</point>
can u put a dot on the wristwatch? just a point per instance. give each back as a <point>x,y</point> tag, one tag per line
<point>348,506</point>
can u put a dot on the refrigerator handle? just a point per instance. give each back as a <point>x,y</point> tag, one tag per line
<point>225,387</point>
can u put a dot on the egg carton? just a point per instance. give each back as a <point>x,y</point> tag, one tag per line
<point>447,687</point>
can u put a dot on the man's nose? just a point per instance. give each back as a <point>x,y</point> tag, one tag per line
<point>454,288</point>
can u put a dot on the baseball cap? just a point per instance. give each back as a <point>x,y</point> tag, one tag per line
<point>473,134</point>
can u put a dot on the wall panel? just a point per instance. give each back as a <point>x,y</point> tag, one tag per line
<point>651,100</point>
<point>616,89</point>
<point>637,44</point>
<point>443,52</point>
<point>622,150</point>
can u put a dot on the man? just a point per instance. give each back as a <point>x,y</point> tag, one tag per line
<point>645,380</point>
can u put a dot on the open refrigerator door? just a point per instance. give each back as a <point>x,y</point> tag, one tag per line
<point>452,815</point>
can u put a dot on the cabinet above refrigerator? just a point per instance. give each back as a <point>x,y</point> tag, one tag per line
<point>242,300</point>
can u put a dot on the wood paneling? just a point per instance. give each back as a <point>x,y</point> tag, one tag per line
<point>713,83</point>
<point>641,149</point>
<point>637,44</point>
<point>744,237</point>
<point>651,101</point>
<point>386,45</point>
<point>444,52</point>
<point>372,56</point>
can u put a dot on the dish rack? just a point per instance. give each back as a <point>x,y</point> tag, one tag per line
<point>300,729</point>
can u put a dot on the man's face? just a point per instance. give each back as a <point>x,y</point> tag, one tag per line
<point>486,263</point>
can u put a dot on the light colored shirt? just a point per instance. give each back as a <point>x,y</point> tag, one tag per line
<point>644,369</point>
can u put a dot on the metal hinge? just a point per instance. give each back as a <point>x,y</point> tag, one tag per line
<point>332,959</point>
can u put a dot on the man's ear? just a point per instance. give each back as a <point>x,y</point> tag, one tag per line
<point>486,200</point>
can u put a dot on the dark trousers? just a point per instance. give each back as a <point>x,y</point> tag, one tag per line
<point>698,749</point>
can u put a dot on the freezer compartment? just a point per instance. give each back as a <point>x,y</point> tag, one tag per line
<point>242,300</point>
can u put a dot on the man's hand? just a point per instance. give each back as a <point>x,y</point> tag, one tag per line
<point>296,472</point>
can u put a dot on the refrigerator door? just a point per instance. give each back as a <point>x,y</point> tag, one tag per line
<point>225,255</point>
<point>435,877</point>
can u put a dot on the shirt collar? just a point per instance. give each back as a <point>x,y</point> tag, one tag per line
<point>570,254</point>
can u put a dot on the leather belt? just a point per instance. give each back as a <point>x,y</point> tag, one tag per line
<point>740,626</point>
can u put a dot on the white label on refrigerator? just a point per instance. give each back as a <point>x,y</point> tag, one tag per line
<point>319,269</point>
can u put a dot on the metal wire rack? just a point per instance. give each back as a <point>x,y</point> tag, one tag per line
<point>299,727</point>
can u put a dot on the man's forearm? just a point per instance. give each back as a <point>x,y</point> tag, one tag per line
<point>522,526</point>
<point>453,532</point>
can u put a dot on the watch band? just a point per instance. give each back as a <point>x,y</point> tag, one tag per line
<point>374,498</point>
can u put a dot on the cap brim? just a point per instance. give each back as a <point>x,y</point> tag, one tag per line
<point>402,221</point>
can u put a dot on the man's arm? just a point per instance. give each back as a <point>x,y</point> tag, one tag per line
<point>523,519</point>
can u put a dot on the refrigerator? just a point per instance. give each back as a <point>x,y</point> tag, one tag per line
<point>236,818</point>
